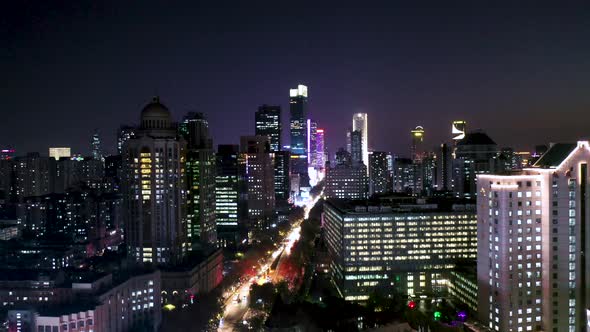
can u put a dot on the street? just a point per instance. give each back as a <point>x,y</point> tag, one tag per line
<point>237,301</point>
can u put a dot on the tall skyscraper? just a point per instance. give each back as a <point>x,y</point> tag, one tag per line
<point>268,123</point>
<point>417,148</point>
<point>282,183</point>
<point>360,123</point>
<point>533,273</point>
<point>153,188</point>
<point>227,190</point>
<point>444,168</point>
<point>200,174</point>
<point>474,154</point>
<point>379,180</point>
<point>320,150</point>
<point>312,128</point>
<point>57,153</point>
<point>257,163</point>
<point>356,147</point>
<point>96,146</point>
<point>298,127</point>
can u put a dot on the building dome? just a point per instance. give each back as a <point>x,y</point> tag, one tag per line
<point>155,115</point>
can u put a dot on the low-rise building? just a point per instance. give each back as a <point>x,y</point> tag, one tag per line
<point>408,247</point>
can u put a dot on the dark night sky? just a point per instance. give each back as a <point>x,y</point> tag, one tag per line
<point>520,73</point>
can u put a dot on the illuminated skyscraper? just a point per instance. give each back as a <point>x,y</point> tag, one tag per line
<point>356,147</point>
<point>532,238</point>
<point>97,153</point>
<point>444,168</point>
<point>320,150</point>
<point>153,188</point>
<point>227,190</point>
<point>298,128</point>
<point>360,123</point>
<point>417,149</point>
<point>257,164</point>
<point>268,123</point>
<point>57,153</point>
<point>200,175</point>
<point>312,128</point>
<point>379,179</point>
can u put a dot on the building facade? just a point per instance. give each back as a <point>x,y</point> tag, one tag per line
<point>406,247</point>
<point>532,271</point>
<point>227,191</point>
<point>153,189</point>
<point>360,122</point>
<point>200,181</point>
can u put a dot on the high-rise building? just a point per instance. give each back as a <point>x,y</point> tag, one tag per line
<point>356,147</point>
<point>403,179</point>
<point>281,167</point>
<point>474,154</point>
<point>379,180</point>
<point>96,147</point>
<point>320,150</point>
<point>123,134</point>
<point>200,180</point>
<point>360,123</point>
<point>349,140</point>
<point>444,168</point>
<point>312,128</point>
<point>533,273</point>
<point>57,153</point>
<point>33,175</point>
<point>404,246</point>
<point>298,127</point>
<point>417,148</point>
<point>458,130</point>
<point>257,167</point>
<point>154,195</point>
<point>268,123</point>
<point>227,191</point>
<point>347,181</point>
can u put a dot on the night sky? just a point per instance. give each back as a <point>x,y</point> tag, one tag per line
<point>520,73</point>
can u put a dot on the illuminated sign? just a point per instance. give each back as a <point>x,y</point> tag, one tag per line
<point>458,130</point>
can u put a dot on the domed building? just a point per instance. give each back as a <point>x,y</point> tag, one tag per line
<point>153,188</point>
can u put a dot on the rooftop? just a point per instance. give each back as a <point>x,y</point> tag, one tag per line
<point>556,154</point>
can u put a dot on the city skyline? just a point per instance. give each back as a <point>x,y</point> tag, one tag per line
<point>396,77</point>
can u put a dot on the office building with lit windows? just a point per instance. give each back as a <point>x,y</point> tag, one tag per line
<point>532,230</point>
<point>268,123</point>
<point>153,189</point>
<point>404,246</point>
<point>200,181</point>
<point>346,181</point>
<point>298,129</point>
<point>227,190</point>
<point>379,179</point>
<point>256,164</point>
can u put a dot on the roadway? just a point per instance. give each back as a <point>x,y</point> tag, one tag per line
<point>235,310</point>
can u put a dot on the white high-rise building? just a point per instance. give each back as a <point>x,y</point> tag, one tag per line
<point>360,123</point>
<point>532,272</point>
